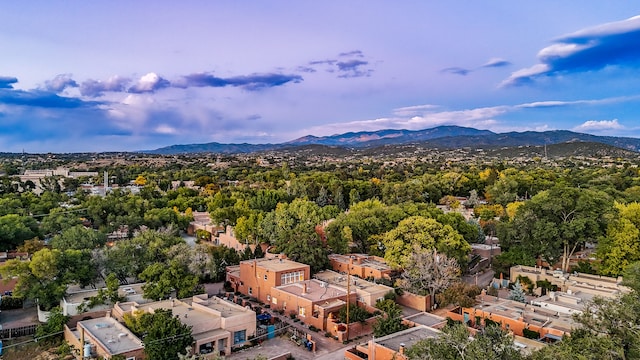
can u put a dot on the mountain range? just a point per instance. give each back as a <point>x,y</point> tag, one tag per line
<point>448,137</point>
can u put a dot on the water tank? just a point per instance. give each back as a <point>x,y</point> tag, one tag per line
<point>87,350</point>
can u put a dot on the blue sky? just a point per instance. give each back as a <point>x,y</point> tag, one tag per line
<point>132,75</point>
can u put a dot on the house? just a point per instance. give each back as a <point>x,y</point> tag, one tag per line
<point>391,347</point>
<point>104,337</point>
<point>77,299</point>
<point>367,292</point>
<point>361,265</point>
<point>521,319</point>
<point>313,301</point>
<point>216,324</point>
<point>577,282</point>
<point>257,277</point>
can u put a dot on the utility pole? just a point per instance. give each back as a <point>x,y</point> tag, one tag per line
<point>349,291</point>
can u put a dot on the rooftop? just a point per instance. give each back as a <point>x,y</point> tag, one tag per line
<point>314,290</point>
<point>407,338</point>
<point>115,338</point>
<point>131,292</point>
<point>426,319</point>
<point>361,260</point>
<point>357,284</point>
<point>277,265</point>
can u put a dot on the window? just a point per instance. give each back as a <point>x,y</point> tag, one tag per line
<point>274,300</point>
<point>301,311</point>
<point>131,358</point>
<point>250,291</point>
<point>268,297</point>
<point>239,337</point>
<point>291,277</point>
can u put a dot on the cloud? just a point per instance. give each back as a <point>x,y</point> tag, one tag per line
<point>414,110</point>
<point>249,82</point>
<point>456,71</point>
<point>59,83</point>
<point>95,88</point>
<point>590,49</point>
<point>356,53</point>
<point>305,69</point>
<point>496,62</point>
<point>148,83</point>
<point>599,125</point>
<point>42,99</point>
<point>353,68</point>
<point>7,81</point>
<point>321,62</point>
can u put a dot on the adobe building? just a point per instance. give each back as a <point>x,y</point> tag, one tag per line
<point>367,292</point>
<point>391,347</point>
<point>575,282</point>
<point>216,324</point>
<point>313,301</point>
<point>103,337</point>
<point>515,317</point>
<point>360,265</point>
<point>257,277</point>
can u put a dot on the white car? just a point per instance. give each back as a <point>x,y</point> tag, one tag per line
<point>129,291</point>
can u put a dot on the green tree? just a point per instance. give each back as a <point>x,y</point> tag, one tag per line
<point>164,336</point>
<point>425,233</point>
<point>391,321</point>
<point>557,222</point>
<point>15,229</point>
<point>517,293</point>
<point>456,343</point>
<point>79,238</point>
<point>51,331</point>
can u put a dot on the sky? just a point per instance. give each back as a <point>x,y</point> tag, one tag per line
<point>93,76</point>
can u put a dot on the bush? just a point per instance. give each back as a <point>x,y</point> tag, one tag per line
<point>327,334</point>
<point>530,334</point>
<point>10,302</point>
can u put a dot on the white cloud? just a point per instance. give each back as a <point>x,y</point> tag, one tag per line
<point>599,125</point>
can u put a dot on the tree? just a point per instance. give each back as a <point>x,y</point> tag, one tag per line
<point>78,237</point>
<point>51,330</point>
<point>456,343</point>
<point>425,233</point>
<point>428,272</point>
<point>517,293</point>
<point>557,222</point>
<point>391,321</point>
<point>621,244</point>
<point>459,294</point>
<point>15,229</point>
<point>163,335</point>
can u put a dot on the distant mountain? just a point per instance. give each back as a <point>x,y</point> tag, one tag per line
<point>449,137</point>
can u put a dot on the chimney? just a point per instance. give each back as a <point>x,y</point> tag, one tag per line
<point>304,288</point>
<point>401,349</point>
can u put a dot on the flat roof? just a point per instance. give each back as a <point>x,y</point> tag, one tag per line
<point>408,337</point>
<point>113,336</point>
<point>365,261</point>
<point>316,290</point>
<point>78,297</point>
<point>225,308</point>
<point>200,321</point>
<point>357,283</point>
<point>277,265</point>
<point>426,319</point>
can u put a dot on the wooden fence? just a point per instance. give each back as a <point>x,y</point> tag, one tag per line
<point>18,332</point>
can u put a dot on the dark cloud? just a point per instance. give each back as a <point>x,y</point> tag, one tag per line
<point>591,49</point>
<point>7,81</point>
<point>321,62</point>
<point>305,69</point>
<point>249,82</point>
<point>456,71</point>
<point>353,68</point>
<point>495,63</point>
<point>149,83</point>
<point>356,53</point>
<point>43,99</point>
<point>59,83</point>
<point>95,88</point>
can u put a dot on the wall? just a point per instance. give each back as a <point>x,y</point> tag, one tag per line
<point>416,302</point>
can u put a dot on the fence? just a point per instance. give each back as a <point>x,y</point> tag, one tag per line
<point>18,332</point>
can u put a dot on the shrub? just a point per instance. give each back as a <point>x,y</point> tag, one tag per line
<point>10,302</point>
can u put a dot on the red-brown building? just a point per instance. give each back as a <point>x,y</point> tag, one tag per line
<point>257,278</point>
